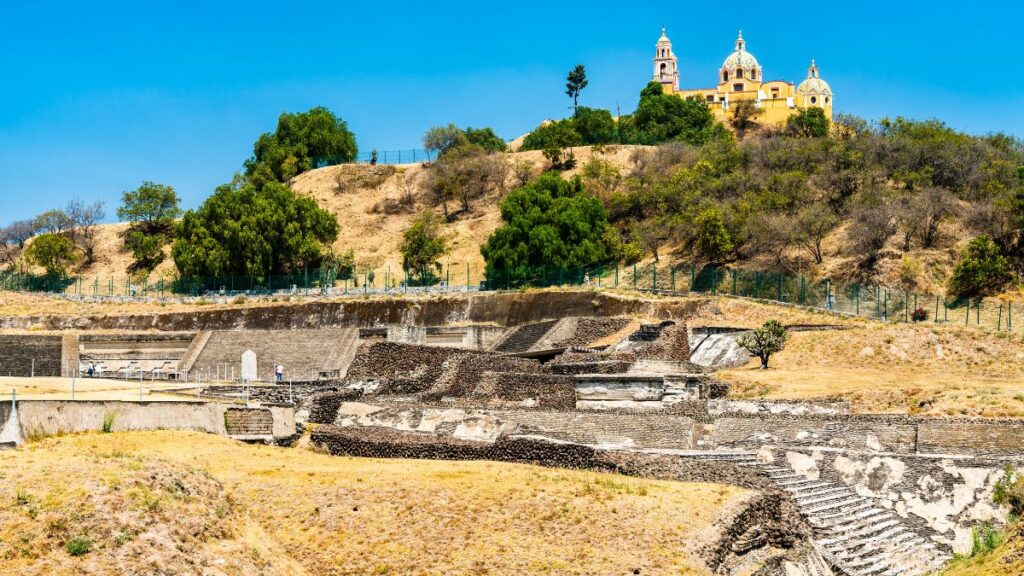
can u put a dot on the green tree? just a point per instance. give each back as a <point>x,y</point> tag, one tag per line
<point>242,230</point>
<point>485,138</point>
<point>151,207</point>
<point>302,142</point>
<point>712,239</point>
<point>769,339</point>
<point>549,222</point>
<point>440,139</point>
<point>53,251</point>
<point>808,122</point>
<point>556,134</point>
<point>52,222</point>
<point>575,82</point>
<point>982,269</point>
<point>594,126</point>
<point>663,117</point>
<point>423,244</point>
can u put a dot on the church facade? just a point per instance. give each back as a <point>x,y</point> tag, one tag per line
<point>741,78</point>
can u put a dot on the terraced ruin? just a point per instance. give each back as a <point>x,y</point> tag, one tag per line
<point>570,380</point>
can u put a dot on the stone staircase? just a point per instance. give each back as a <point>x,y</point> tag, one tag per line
<point>852,534</point>
<point>649,332</point>
<point>525,337</point>
<point>341,356</point>
<point>304,353</point>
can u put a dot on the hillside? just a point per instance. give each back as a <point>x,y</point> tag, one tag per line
<point>138,503</point>
<point>375,204</point>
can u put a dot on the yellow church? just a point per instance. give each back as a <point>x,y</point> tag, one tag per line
<point>741,78</point>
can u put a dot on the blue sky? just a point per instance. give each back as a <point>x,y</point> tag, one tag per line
<point>99,96</point>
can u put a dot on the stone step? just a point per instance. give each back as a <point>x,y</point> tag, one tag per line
<point>834,505</point>
<point>830,496</point>
<point>806,486</point>
<point>819,493</point>
<point>825,519</point>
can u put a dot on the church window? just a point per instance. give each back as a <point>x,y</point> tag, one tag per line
<point>710,97</point>
<point>775,92</point>
<point>753,74</point>
<point>725,76</point>
<point>737,87</point>
<point>739,73</point>
<point>826,99</point>
<point>814,99</point>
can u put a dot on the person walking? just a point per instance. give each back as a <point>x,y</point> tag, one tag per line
<point>586,280</point>
<point>90,369</point>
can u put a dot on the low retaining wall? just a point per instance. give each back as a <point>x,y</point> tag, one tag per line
<point>38,418</point>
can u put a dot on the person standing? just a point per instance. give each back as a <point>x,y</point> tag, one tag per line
<point>90,369</point>
<point>279,370</point>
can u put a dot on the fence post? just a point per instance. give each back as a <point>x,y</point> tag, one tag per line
<point>977,312</point>
<point>967,318</point>
<point>634,276</point>
<point>672,271</point>
<point>733,281</point>
<point>616,274</point>
<point>654,276</point>
<point>936,309</point>
<point>999,323</point>
<point>906,306</point>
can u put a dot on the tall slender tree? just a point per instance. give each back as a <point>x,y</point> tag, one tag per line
<point>576,81</point>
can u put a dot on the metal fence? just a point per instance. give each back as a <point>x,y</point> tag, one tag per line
<point>409,156</point>
<point>868,301</point>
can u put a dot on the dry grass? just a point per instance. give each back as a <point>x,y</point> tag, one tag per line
<point>915,369</point>
<point>291,511</point>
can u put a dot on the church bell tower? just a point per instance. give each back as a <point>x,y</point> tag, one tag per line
<point>666,65</point>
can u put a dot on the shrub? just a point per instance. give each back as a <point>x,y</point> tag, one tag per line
<point>982,269</point>
<point>53,251</point>
<point>1009,491</point>
<point>79,546</point>
<point>423,244</point>
<point>108,422</point>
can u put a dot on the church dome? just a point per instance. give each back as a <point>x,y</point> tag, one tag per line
<point>740,58</point>
<point>814,85</point>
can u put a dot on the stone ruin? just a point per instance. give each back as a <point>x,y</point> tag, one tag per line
<point>836,493</point>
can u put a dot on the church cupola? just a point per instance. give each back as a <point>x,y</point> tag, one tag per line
<point>814,91</point>
<point>666,65</point>
<point>740,68</point>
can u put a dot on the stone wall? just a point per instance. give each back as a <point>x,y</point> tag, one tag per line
<point>503,309</point>
<point>19,352</point>
<point>248,422</point>
<point>54,417</point>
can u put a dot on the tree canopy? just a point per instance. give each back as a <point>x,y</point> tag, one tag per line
<point>301,142</point>
<point>243,230</point>
<point>53,251</point>
<point>153,206</point>
<point>550,222</point>
<point>423,244</point>
<point>575,82</point>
